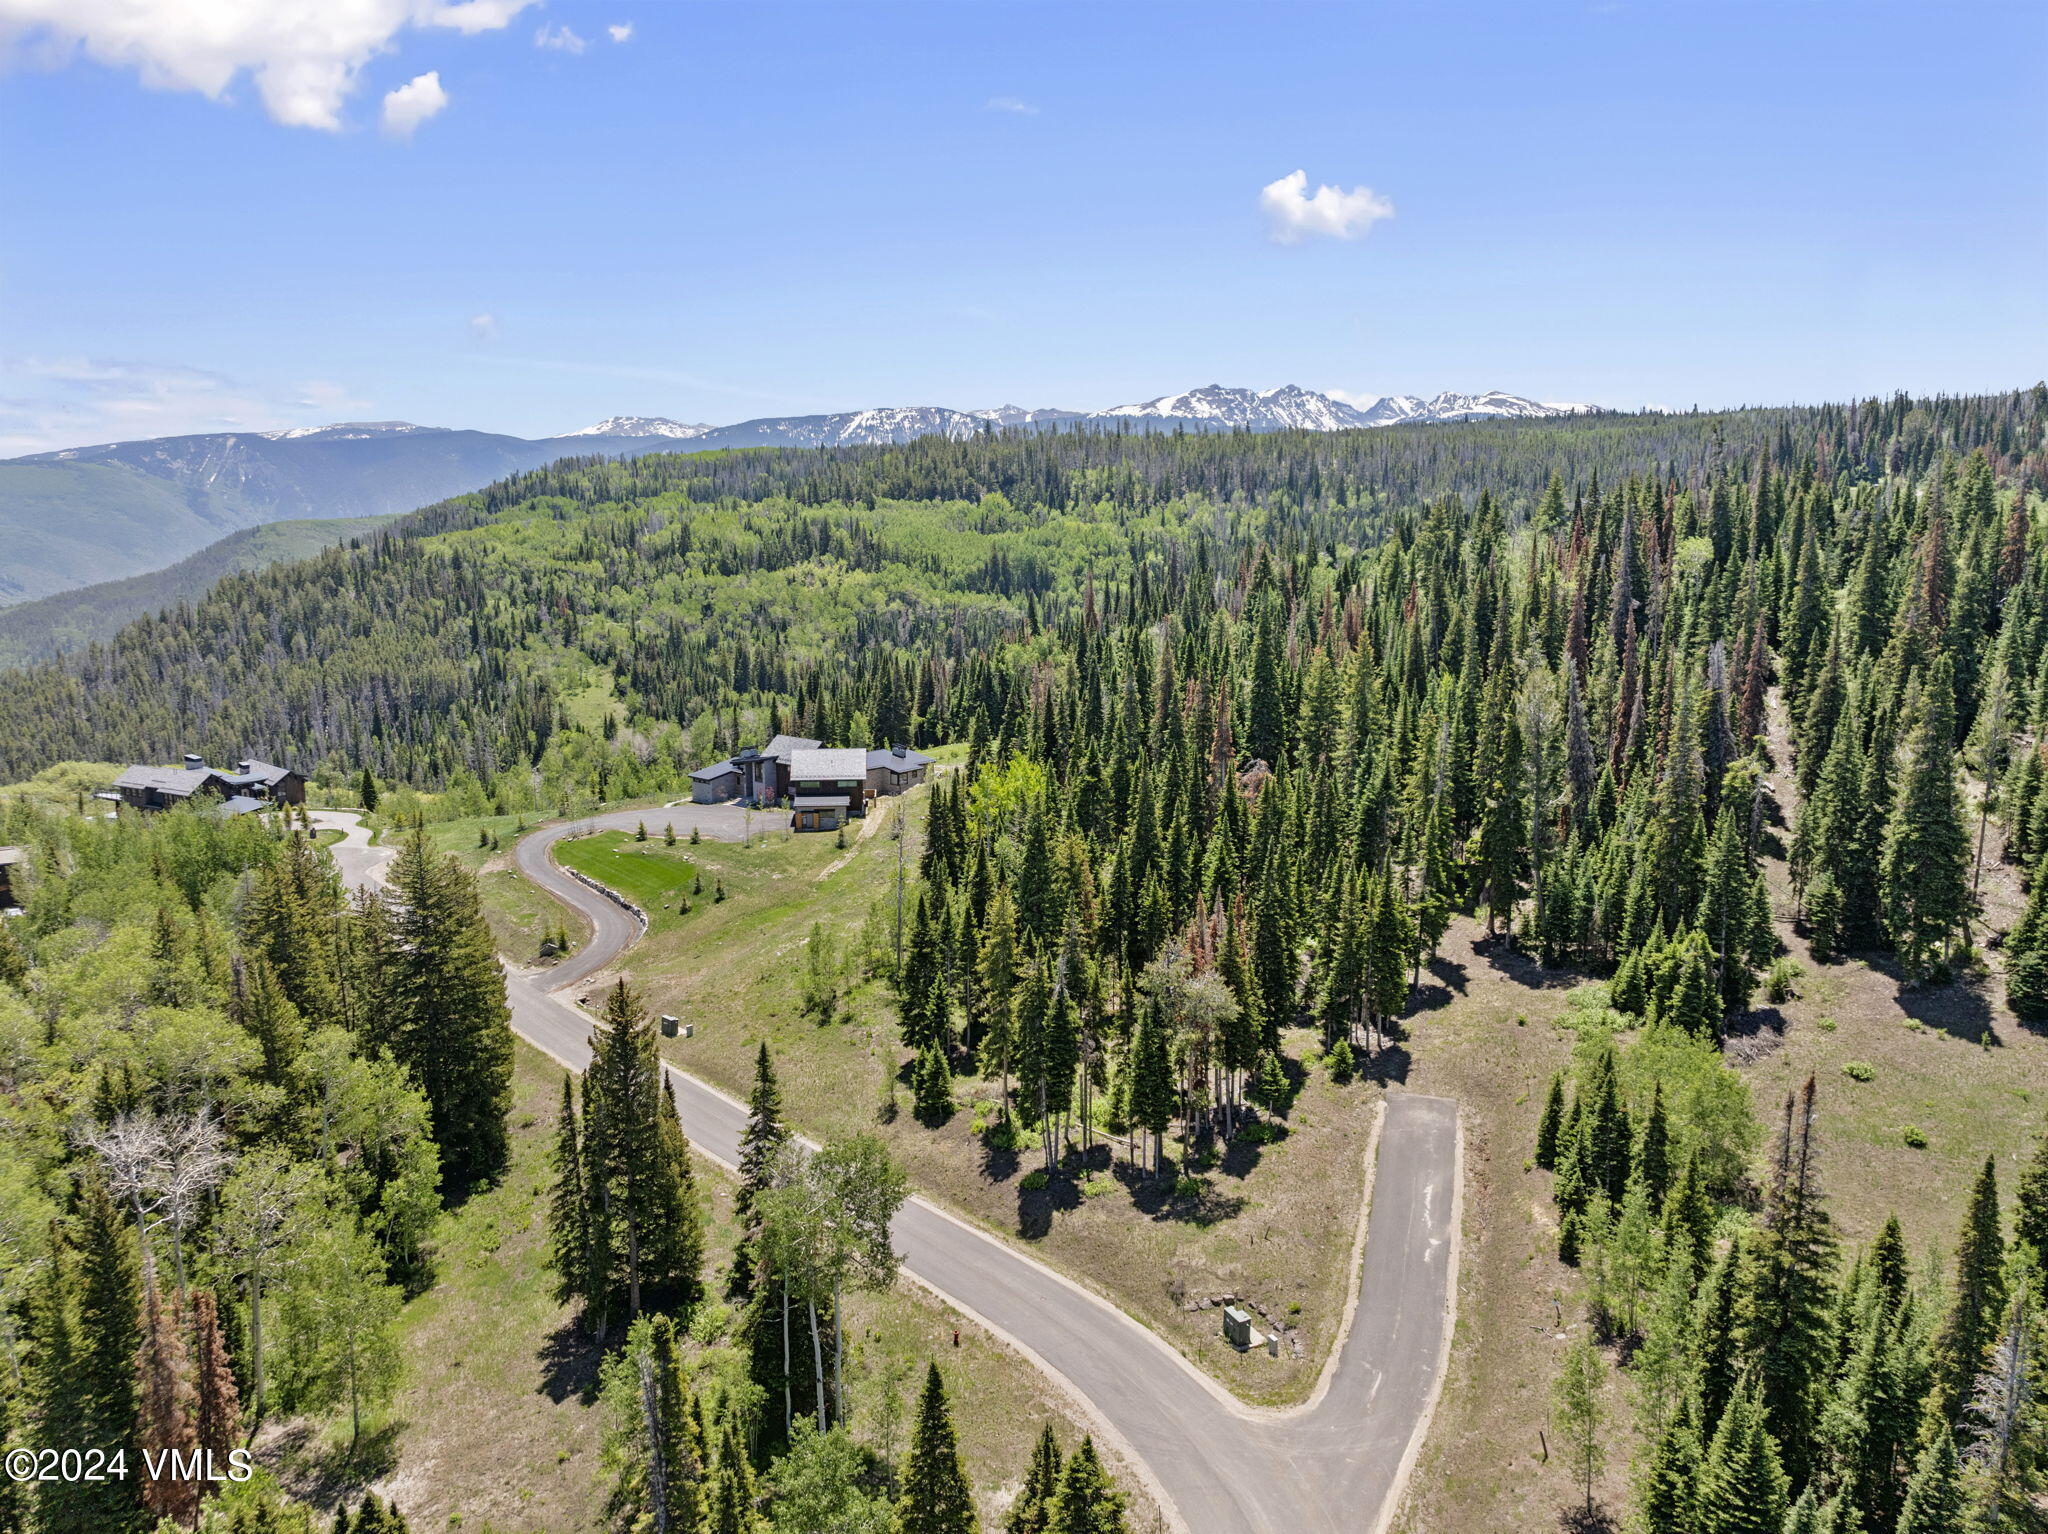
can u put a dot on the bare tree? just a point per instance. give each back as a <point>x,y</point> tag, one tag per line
<point>163,1167</point>
<point>2008,1434</point>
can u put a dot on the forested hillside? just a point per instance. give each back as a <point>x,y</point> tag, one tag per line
<point>71,620</point>
<point>1251,722</point>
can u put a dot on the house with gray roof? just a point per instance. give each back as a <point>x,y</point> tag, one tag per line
<point>251,785</point>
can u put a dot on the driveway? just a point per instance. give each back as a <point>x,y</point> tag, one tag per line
<point>1335,1465</point>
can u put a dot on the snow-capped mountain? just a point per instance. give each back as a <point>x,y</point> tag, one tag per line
<point>1292,408</point>
<point>1018,415</point>
<point>642,426</point>
<point>1287,408</point>
<point>1495,404</point>
<point>349,431</point>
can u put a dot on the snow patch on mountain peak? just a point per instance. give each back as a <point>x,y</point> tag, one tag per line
<point>642,426</point>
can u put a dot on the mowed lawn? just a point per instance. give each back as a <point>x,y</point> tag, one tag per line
<point>656,877</point>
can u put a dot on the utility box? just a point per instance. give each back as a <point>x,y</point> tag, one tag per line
<point>1237,1326</point>
<point>689,1030</point>
<point>671,1025</point>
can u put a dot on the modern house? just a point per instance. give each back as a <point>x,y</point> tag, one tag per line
<point>827,788</point>
<point>10,859</point>
<point>715,784</point>
<point>898,768</point>
<point>251,786</point>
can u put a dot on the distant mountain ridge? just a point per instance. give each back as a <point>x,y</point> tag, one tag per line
<point>1213,407</point>
<point>84,515</point>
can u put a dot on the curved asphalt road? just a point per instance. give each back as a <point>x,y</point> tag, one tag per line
<point>1333,1466</point>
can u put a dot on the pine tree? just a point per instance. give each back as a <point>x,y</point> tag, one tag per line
<point>2030,1205</point>
<point>1926,861</point>
<point>217,1411</point>
<point>1667,1482</point>
<point>1935,1499</point>
<point>1552,1121</point>
<point>2026,954</point>
<point>1786,1314</point>
<point>1152,1097</point>
<point>637,1163</point>
<point>922,1005</point>
<point>442,1009</point>
<point>931,1086</point>
<point>164,1418</point>
<point>569,1216</point>
<point>88,1331</point>
<point>1742,1488</point>
<point>1087,1501</point>
<point>733,1493</point>
<point>936,1498</point>
<point>1032,1510</point>
<point>1976,1306</point>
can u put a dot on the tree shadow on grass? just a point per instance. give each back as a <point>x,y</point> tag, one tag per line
<point>1749,1036</point>
<point>1162,1198</point>
<point>1387,1065</point>
<point>999,1162</point>
<point>569,1362</point>
<point>327,1474</point>
<point>1036,1207</point>
<point>1577,1520</point>
<point>1503,956</point>
<point>1958,1007</point>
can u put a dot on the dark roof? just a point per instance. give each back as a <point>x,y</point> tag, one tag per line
<point>819,801</point>
<point>241,804</point>
<point>901,758</point>
<point>266,773</point>
<point>183,781</point>
<point>716,770</point>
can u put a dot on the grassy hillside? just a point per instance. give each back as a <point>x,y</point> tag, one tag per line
<point>71,620</point>
<point>76,524</point>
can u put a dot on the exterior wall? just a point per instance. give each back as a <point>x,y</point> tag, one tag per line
<point>714,790</point>
<point>887,780</point>
<point>290,789</point>
<point>817,820</point>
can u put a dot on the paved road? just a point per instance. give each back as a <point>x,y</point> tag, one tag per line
<point>1333,1466</point>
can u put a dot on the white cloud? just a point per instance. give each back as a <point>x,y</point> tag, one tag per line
<point>559,38</point>
<point>484,327</point>
<point>305,56</point>
<point>51,403</point>
<point>413,103</point>
<point>622,32</point>
<point>1010,104</point>
<point>1295,214</point>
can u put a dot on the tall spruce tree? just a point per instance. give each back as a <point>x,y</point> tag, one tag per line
<point>441,1009</point>
<point>936,1498</point>
<point>1925,869</point>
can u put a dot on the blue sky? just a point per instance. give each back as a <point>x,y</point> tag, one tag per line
<point>767,208</point>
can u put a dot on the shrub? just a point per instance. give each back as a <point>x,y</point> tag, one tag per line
<point>1825,1025</point>
<point>1856,1070</point>
<point>1033,1181</point>
<point>1913,1137</point>
<point>1778,984</point>
<point>1187,1187</point>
